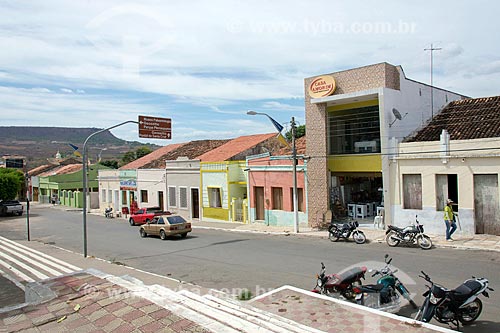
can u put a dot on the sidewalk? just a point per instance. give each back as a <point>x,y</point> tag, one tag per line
<point>476,242</point>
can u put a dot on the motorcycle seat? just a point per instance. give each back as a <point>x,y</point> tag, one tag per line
<point>372,287</point>
<point>351,275</point>
<point>391,227</point>
<point>466,290</point>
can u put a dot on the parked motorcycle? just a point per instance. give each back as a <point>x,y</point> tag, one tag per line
<point>409,235</point>
<point>383,295</point>
<point>339,285</point>
<point>460,305</point>
<point>337,230</point>
<point>108,212</point>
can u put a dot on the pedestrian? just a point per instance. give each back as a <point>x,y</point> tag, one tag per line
<point>449,220</point>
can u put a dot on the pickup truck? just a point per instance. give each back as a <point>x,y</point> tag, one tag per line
<point>11,207</point>
<point>145,215</point>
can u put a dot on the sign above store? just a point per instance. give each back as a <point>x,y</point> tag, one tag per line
<point>322,86</point>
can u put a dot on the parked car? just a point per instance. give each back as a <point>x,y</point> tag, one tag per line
<point>145,215</point>
<point>166,225</point>
<point>11,207</point>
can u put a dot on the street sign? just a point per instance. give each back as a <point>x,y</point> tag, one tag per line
<point>155,128</point>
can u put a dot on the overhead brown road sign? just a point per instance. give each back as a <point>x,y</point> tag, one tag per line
<point>155,128</point>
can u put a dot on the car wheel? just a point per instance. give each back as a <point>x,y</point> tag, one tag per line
<point>131,221</point>
<point>163,236</point>
<point>184,235</point>
<point>143,233</point>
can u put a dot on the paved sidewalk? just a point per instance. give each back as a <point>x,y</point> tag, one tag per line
<point>476,242</point>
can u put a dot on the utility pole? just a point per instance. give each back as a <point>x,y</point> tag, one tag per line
<point>295,194</point>
<point>432,49</point>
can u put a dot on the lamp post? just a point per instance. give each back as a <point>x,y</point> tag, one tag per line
<point>84,180</point>
<point>279,127</point>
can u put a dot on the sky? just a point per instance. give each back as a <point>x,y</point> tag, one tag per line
<point>204,64</point>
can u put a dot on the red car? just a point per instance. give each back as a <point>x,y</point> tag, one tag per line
<point>145,215</point>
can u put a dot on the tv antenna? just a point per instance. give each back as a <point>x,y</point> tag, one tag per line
<point>432,49</point>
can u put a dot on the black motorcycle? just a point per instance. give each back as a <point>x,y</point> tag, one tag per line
<point>108,213</point>
<point>409,235</point>
<point>460,305</point>
<point>344,230</point>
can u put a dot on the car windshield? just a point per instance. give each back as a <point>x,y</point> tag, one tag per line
<point>175,219</point>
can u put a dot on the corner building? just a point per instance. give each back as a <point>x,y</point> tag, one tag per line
<point>353,125</point>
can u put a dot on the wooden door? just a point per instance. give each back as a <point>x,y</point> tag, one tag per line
<point>195,204</point>
<point>486,204</point>
<point>160,200</point>
<point>259,202</point>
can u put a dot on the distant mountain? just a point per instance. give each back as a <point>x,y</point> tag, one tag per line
<point>40,143</point>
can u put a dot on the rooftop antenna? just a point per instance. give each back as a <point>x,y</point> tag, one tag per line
<point>397,116</point>
<point>432,49</point>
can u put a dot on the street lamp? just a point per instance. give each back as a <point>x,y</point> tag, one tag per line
<point>279,128</point>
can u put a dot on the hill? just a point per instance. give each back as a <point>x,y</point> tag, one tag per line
<point>40,143</point>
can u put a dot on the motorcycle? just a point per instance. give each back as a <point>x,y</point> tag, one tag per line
<point>408,235</point>
<point>459,305</point>
<point>108,212</point>
<point>383,296</point>
<point>336,231</point>
<point>339,284</point>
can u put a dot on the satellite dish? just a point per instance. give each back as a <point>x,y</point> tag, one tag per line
<point>396,114</point>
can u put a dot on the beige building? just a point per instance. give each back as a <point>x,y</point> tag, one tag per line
<point>456,156</point>
<point>352,119</point>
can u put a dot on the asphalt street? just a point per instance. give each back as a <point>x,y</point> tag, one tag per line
<point>232,261</point>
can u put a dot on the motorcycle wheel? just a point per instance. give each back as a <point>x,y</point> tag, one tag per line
<point>406,294</point>
<point>359,237</point>
<point>471,312</point>
<point>333,235</point>
<point>424,242</point>
<point>390,240</point>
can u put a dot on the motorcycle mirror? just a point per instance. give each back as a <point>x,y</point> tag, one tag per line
<point>389,261</point>
<point>386,256</point>
<point>322,265</point>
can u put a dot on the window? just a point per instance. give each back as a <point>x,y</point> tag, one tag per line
<point>183,198</point>
<point>354,131</point>
<point>110,195</point>
<point>277,193</point>
<point>172,202</point>
<point>412,191</point>
<point>300,199</point>
<point>144,196</point>
<point>214,197</point>
<point>103,195</point>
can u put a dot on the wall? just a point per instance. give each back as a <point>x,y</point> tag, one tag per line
<point>214,175</point>
<point>464,163</point>
<point>184,173</point>
<point>152,181</point>
<point>110,181</point>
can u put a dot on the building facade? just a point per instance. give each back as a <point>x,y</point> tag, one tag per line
<point>350,128</point>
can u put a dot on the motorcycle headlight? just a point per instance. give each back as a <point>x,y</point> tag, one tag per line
<point>433,299</point>
<point>319,283</point>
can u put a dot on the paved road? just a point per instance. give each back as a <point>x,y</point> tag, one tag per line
<point>258,262</point>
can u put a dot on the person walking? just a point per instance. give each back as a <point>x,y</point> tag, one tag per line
<point>449,220</point>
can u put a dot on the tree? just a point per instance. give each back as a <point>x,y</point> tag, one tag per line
<point>142,151</point>
<point>300,132</point>
<point>113,164</point>
<point>11,181</point>
<point>128,157</point>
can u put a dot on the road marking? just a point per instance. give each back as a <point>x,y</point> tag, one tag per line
<point>31,261</point>
<point>24,266</point>
<point>72,267</point>
<point>37,257</point>
<point>16,272</point>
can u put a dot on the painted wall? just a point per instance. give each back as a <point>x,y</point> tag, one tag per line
<point>152,181</point>
<point>466,163</point>
<point>275,172</point>
<point>109,180</point>
<point>183,173</point>
<point>215,175</point>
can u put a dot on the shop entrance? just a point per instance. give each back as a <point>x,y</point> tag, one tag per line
<point>359,196</point>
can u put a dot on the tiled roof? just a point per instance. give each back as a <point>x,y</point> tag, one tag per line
<point>300,146</point>
<point>235,147</point>
<point>472,118</point>
<point>155,155</point>
<point>42,168</point>
<point>62,170</point>
<point>191,150</point>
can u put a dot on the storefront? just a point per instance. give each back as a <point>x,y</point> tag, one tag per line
<point>353,120</point>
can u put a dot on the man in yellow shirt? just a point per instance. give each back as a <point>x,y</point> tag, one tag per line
<point>449,220</point>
